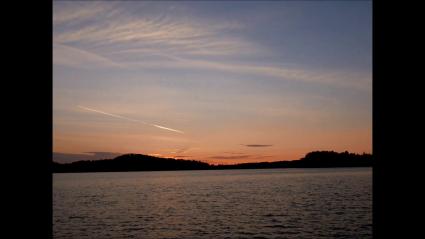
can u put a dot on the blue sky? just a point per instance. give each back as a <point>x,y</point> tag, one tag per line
<point>293,75</point>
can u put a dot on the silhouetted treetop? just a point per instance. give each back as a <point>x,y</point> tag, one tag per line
<point>331,156</point>
<point>141,162</point>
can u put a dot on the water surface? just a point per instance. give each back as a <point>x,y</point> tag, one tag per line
<point>259,203</point>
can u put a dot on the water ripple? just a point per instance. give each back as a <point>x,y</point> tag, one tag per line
<point>276,203</point>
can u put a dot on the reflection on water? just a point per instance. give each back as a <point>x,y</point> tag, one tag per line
<point>262,203</point>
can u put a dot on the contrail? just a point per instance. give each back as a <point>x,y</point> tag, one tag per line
<point>113,115</point>
<point>134,120</point>
<point>162,127</point>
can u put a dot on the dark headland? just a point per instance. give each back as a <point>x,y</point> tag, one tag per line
<point>140,162</point>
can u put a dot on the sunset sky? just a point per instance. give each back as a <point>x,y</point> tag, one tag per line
<point>220,82</point>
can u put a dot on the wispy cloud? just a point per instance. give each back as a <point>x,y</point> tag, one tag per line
<point>71,12</point>
<point>258,145</point>
<point>68,158</point>
<point>360,81</point>
<point>181,150</point>
<point>235,153</point>
<point>263,156</point>
<point>241,156</point>
<point>230,157</point>
<point>126,33</point>
<point>130,119</point>
<point>182,156</point>
<point>74,57</point>
<point>119,39</point>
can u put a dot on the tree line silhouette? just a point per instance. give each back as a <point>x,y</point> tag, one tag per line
<point>141,162</point>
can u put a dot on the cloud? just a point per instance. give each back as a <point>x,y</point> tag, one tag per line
<point>342,79</point>
<point>73,57</point>
<point>126,33</point>
<point>182,156</point>
<point>181,150</point>
<point>257,145</point>
<point>241,156</point>
<point>117,38</point>
<point>68,158</point>
<point>76,12</point>
<point>169,139</point>
<point>358,81</point>
<point>230,157</point>
<point>263,156</point>
<point>233,153</point>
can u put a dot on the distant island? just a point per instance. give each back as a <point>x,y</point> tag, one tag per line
<point>141,162</point>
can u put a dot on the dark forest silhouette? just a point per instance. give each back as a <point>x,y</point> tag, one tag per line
<point>140,162</point>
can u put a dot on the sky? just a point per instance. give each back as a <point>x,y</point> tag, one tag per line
<point>220,82</point>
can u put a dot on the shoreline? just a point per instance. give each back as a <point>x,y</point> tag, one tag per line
<point>211,169</point>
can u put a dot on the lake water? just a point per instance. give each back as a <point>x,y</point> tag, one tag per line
<point>260,203</point>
